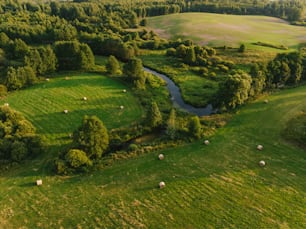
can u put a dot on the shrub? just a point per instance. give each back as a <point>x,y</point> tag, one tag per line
<point>77,158</point>
<point>3,90</point>
<point>132,147</point>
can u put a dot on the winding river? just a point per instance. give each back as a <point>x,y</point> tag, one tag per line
<point>177,99</point>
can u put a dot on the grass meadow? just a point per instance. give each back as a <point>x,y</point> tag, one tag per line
<point>230,30</point>
<point>207,186</point>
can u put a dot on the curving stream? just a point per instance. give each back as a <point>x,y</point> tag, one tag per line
<point>177,99</point>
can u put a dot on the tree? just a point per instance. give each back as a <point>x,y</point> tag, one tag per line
<point>73,55</point>
<point>12,81</point>
<point>92,137</point>
<point>134,70</point>
<point>77,158</point>
<point>87,59</point>
<point>17,136</point>
<point>241,48</point>
<point>195,128</point>
<point>113,66</point>
<point>33,60</point>
<point>154,116</point>
<point>190,57</point>
<point>171,124</point>
<point>234,91</point>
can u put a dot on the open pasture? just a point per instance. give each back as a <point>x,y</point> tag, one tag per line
<point>229,30</point>
<point>219,185</point>
<point>45,103</point>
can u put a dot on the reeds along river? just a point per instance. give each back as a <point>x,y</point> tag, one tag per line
<point>177,99</point>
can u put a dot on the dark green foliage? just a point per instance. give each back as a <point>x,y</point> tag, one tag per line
<point>241,48</point>
<point>73,55</point>
<point>133,69</point>
<point>18,140</point>
<point>3,90</point>
<point>154,116</point>
<point>195,128</point>
<point>20,77</point>
<point>258,74</point>
<point>286,68</point>
<point>112,66</point>
<point>19,48</point>
<point>91,137</point>
<point>41,60</point>
<point>234,91</point>
<point>190,57</point>
<point>171,125</point>
<point>4,40</point>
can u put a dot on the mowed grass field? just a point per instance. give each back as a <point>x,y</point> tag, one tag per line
<point>229,30</point>
<point>44,103</point>
<point>214,186</point>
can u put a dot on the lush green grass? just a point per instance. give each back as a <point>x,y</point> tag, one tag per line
<point>230,30</point>
<point>214,186</point>
<point>44,103</point>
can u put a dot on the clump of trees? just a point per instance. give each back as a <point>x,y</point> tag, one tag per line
<point>18,140</point>
<point>90,142</point>
<point>73,55</point>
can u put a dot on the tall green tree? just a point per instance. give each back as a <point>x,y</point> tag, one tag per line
<point>154,116</point>
<point>92,137</point>
<point>171,124</point>
<point>190,56</point>
<point>234,91</point>
<point>195,127</point>
<point>134,70</point>
<point>113,66</point>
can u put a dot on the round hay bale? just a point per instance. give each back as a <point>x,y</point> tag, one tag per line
<point>47,79</point>
<point>65,111</point>
<point>262,163</point>
<point>124,90</point>
<point>161,156</point>
<point>162,184</point>
<point>266,101</point>
<point>121,107</point>
<point>260,147</point>
<point>6,104</point>
<point>38,182</point>
<point>206,142</point>
<point>85,98</point>
<point>67,78</point>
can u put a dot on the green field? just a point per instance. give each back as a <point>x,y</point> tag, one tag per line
<point>44,103</point>
<point>214,186</point>
<point>229,30</point>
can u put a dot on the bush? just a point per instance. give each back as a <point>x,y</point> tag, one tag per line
<point>3,90</point>
<point>132,147</point>
<point>77,158</point>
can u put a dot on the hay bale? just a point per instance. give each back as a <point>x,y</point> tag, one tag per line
<point>260,147</point>
<point>262,163</point>
<point>124,91</point>
<point>39,182</point>
<point>266,101</point>
<point>161,156</point>
<point>121,107</point>
<point>6,104</point>
<point>67,78</point>
<point>206,142</point>
<point>162,184</point>
<point>47,79</point>
<point>65,111</point>
<point>85,98</point>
